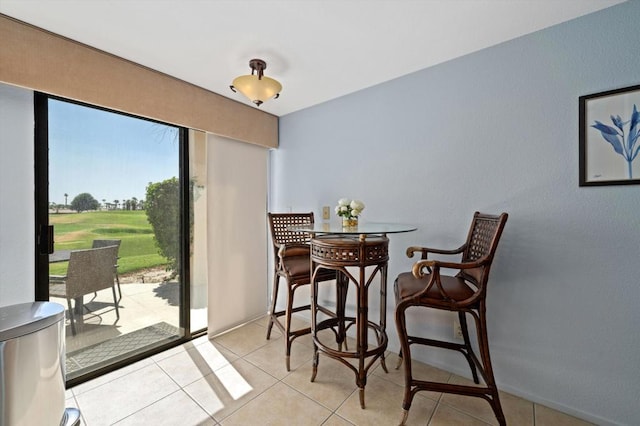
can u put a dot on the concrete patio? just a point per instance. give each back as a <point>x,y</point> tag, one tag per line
<point>149,312</point>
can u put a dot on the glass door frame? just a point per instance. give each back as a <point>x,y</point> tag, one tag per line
<point>44,237</point>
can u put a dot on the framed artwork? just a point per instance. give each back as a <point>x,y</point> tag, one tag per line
<point>610,137</point>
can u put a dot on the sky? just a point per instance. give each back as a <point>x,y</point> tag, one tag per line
<point>111,156</point>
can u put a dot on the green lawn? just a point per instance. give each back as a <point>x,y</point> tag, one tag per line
<point>75,231</point>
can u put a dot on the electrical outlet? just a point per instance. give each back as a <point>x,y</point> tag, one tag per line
<point>457,330</point>
<point>326,213</point>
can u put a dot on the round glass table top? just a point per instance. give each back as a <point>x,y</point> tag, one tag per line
<point>363,228</point>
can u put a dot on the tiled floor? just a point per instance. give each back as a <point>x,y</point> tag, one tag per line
<point>240,378</point>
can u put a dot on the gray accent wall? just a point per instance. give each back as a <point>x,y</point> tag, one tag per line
<point>497,131</point>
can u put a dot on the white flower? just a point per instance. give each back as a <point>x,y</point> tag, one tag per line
<point>357,205</point>
<point>349,208</point>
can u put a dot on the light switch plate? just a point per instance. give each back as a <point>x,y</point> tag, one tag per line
<point>326,213</point>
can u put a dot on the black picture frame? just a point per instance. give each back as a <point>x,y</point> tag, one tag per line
<point>609,137</point>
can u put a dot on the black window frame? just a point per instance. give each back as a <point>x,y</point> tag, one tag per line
<point>43,243</point>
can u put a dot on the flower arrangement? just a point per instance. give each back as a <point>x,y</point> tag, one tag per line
<point>349,209</point>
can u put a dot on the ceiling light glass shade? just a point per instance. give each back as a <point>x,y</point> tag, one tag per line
<point>256,86</point>
<point>258,90</point>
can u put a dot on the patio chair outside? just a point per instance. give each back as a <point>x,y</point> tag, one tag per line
<point>107,243</point>
<point>89,271</point>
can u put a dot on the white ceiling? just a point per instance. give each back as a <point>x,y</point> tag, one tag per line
<point>317,49</point>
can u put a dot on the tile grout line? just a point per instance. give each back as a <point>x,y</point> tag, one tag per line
<point>281,380</point>
<point>182,388</point>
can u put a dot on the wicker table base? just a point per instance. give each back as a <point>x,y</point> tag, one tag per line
<point>344,255</point>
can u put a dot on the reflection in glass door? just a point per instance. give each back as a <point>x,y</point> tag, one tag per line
<point>115,203</point>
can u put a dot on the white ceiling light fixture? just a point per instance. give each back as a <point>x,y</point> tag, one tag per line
<point>256,86</point>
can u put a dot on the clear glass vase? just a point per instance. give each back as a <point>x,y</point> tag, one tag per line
<point>349,222</point>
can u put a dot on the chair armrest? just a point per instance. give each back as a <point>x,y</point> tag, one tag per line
<point>419,266</point>
<point>426,250</point>
<point>434,266</point>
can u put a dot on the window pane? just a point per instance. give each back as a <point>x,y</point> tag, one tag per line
<point>114,194</point>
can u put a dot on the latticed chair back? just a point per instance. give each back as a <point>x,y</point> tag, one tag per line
<point>280,223</point>
<point>482,242</point>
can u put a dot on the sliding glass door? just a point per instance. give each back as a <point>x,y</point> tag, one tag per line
<point>113,228</point>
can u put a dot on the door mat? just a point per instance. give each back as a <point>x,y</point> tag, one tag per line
<point>119,347</point>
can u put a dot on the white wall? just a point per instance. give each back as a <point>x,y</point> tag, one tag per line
<point>498,131</point>
<point>17,270</point>
<point>237,232</point>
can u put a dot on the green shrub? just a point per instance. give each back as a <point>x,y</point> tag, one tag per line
<point>162,206</point>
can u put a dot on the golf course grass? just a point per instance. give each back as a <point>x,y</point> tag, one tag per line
<point>138,250</point>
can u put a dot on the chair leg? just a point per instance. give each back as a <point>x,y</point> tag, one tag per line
<point>73,325</point>
<point>483,344</point>
<point>274,299</point>
<point>115,302</point>
<point>119,289</point>
<point>405,351</point>
<point>314,313</point>
<point>467,342</point>
<point>287,325</point>
<point>399,359</point>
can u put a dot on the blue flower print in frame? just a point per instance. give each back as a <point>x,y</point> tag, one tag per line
<point>610,137</point>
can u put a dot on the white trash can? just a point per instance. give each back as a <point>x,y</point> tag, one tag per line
<point>32,366</point>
